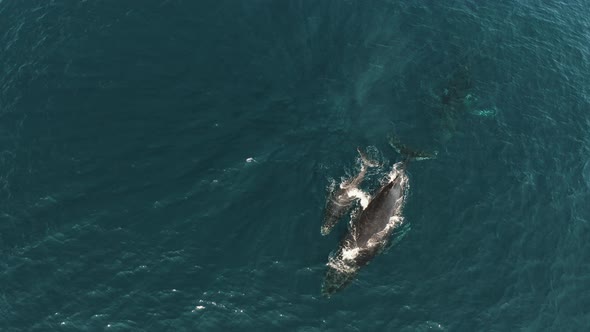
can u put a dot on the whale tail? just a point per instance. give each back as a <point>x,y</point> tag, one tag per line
<point>410,153</point>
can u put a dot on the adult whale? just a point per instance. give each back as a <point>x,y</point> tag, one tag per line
<point>340,201</point>
<point>370,233</point>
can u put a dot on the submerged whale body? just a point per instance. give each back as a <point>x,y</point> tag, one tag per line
<point>369,234</point>
<point>457,88</point>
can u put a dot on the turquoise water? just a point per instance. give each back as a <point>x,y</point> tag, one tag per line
<point>128,202</point>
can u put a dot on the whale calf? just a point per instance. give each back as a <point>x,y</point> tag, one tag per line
<point>369,234</point>
<point>341,200</point>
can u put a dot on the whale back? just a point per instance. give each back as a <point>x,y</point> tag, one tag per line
<point>377,220</point>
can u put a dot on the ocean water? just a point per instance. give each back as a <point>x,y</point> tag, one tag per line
<point>129,202</point>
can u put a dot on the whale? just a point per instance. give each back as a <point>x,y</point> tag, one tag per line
<point>370,233</point>
<point>456,91</point>
<point>409,153</point>
<point>341,200</point>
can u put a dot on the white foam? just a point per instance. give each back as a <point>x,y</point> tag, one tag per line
<point>395,221</point>
<point>340,265</point>
<point>359,194</point>
<point>383,235</point>
<point>396,170</point>
<point>350,253</point>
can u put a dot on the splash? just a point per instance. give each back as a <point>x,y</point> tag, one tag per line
<point>362,196</point>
